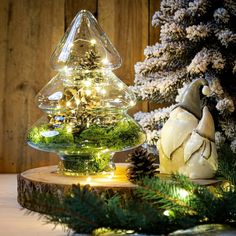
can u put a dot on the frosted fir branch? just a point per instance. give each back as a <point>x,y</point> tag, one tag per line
<point>226,37</point>
<point>225,105</point>
<point>215,85</point>
<point>163,89</point>
<point>197,32</point>
<point>154,50</point>
<point>172,32</point>
<point>199,7</point>
<point>233,146</point>
<point>165,57</point>
<point>219,139</point>
<point>167,9</point>
<point>152,122</point>
<point>228,126</point>
<point>230,5</point>
<point>204,59</point>
<point>221,15</point>
<point>234,67</point>
<point>181,15</point>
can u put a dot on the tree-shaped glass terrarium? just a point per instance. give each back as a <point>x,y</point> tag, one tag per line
<point>85,103</point>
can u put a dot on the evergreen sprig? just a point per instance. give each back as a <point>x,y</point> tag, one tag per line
<point>156,206</point>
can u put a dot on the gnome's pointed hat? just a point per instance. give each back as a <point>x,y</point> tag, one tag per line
<point>206,127</point>
<point>190,99</point>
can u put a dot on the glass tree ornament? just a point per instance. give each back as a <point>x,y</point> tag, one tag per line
<point>86,105</point>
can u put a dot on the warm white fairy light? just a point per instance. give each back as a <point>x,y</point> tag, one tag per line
<point>111,175</point>
<point>66,70</point>
<point>69,129</point>
<point>71,45</point>
<point>88,92</point>
<point>89,180</point>
<point>103,91</point>
<point>98,89</point>
<point>132,103</point>
<point>117,100</point>
<point>93,41</point>
<point>77,101</point>
<point>166,213</point>
<point>68,103</point>
<point>105,61</point>
<point>87,83</point>
<point>108,104</point>
<point>182,193</point>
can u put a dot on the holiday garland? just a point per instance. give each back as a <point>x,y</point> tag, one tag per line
<point>156,206</point>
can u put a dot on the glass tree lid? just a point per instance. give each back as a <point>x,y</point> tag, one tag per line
<point>82,35</point>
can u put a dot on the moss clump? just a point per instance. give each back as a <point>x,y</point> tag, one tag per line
<point>82,152</point>
<point>116,137</point>
<point>88,163</point>
<point>61,139</point>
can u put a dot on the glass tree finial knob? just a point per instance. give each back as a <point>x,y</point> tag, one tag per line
<point>82,35</point>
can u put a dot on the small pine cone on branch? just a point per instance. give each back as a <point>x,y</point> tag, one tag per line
<point>142,164</point>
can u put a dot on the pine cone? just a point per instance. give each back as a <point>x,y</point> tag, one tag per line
<point>142,165</point>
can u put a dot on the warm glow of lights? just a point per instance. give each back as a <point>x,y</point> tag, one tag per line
<point>105,61</point>
<point>93,41</point>
<point>108,104</point>
<point>77,101</point>
<point>87,83</point>
<point>166,213</point>
<point>71,45</point>
<point>66,70</point>
<point>98,89</point>
<point>103,91</point>
<point>111,175</point>
<point>105,150</point>
<point>132,103</point>
<point>58,106</point>
<point>117,100</point>
<point>88,92</point>
<point>68,103</point>
<point>182,193</point>
<point>89,180</point>
<point>69,129</point>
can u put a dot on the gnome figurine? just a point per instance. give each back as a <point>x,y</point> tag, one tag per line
<point>187,139</point>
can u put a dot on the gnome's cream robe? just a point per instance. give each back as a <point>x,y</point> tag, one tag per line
<point>174,134</point>
<point>200,155</point>
<point>186,144</point>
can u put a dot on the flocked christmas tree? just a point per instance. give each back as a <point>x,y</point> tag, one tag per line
<point>85,103</point>
<point>197,40</point>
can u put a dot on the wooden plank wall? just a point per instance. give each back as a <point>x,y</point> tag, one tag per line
<point>29,31</point>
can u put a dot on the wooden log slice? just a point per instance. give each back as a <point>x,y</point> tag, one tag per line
<point>47,180</point>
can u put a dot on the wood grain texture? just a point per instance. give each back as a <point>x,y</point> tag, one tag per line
<point>126,24</point>
<point>154,32</point>
<point>72,7</point>
<point>33,27</point>
<point>29,31</point>
<point>46,180</point>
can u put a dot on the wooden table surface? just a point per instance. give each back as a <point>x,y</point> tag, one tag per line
<point>13,220</point>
